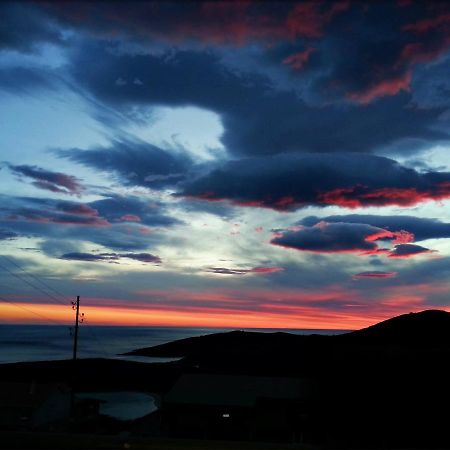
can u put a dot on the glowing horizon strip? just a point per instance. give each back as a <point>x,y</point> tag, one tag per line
<point>123,316</point>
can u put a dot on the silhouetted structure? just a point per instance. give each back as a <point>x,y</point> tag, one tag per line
<point>237,407</point>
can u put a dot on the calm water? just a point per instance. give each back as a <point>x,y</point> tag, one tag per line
<point>48,342</point>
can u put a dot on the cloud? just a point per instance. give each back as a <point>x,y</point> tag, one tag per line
<point>98,222</point>
<point>119,209</point>
<point>143,257</point>
<point>331,238</point>
<point>90,257</point>
<point>297,61</point>
<point>130,218</point>
<point>7,235</point>
<point>341,237</point>
<point>218,23</point>
<point>372,69</point>
<point>382,88</point>
<point>48,180</point>
<point>24,25</point>
<point>420,228</point>
<point>135,162</point>
<point>374,275</point>
<point>248,102</point>
<point>258,270</point>
<point>292,181</point>
<point>111,257</point>
<point>408,251</point>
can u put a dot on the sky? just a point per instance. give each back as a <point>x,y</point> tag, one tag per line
<point>226,164</point>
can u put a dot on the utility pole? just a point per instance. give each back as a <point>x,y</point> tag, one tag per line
<point>75,337</point>
<point>76,307</point>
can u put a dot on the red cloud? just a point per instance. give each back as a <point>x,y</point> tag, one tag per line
<point>341,237</point>
<point>213,22</point>
<point>399,237</point>
<point>266,269</point>
<point>298,60</point>
<point>418,52</point>
<point>308,19</point>
<point>78,208</point>
<point>426,25</point>
<point>382,88</point>
<point>130,218</point>
<point>48,180</point>
<point>374,275</point>
<point>359,196</point>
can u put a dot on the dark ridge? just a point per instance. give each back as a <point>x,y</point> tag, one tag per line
<point>245,352</point>
<point>425,327</point>
<point>236,341</point>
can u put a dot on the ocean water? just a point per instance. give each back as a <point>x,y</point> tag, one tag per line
<point>53,342</point>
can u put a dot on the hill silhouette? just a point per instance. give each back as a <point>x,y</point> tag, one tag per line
<point>384,386</point>
<point>426,327</point>
<point>429,327</point>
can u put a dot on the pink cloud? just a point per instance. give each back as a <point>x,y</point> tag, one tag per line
<point>297,61</point>
<point>130,218</point>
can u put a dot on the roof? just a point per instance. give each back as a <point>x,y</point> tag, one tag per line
<point>234,390</point>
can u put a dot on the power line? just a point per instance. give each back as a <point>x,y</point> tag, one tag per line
<point>35,278</point>
<point>32,285</point>
<point>31,311</point>
<point>102,347</point>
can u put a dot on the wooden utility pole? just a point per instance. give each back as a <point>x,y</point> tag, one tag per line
<point>76,307</point>
<point>75,337</point>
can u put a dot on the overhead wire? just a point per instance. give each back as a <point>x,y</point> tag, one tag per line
<point>89,327</point>
<point>18,305</point>
<point>21,278</point>
<point>35,277</point>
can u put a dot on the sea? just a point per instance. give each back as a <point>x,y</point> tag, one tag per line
<point>20,343</point>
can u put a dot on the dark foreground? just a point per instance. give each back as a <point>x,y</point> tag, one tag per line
<point>35,440</point>
<point>386,386</point>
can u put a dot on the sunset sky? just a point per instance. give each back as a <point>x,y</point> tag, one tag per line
<point>241,164</point>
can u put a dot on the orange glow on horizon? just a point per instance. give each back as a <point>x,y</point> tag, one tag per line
<point>301,318</point>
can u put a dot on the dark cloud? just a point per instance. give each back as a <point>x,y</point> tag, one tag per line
<point>340,237</point>
<point>210,22</point>
<point>250,105</point>
<point>331,238</point>
<point>421,228</point>
<point>407,251</point>
<point>142,257</point>
<point>259,270</point>
<point>90,257</point>
<point>111,257</point>
<point>24,25</point>
<point>380,63</point>
<point>48,180</point>
<point>7,235</point>
<point>375,275</point>
<point>133,209</point>
<point>293,181</point>
<point>98,222</point>
<point>136,163</point>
